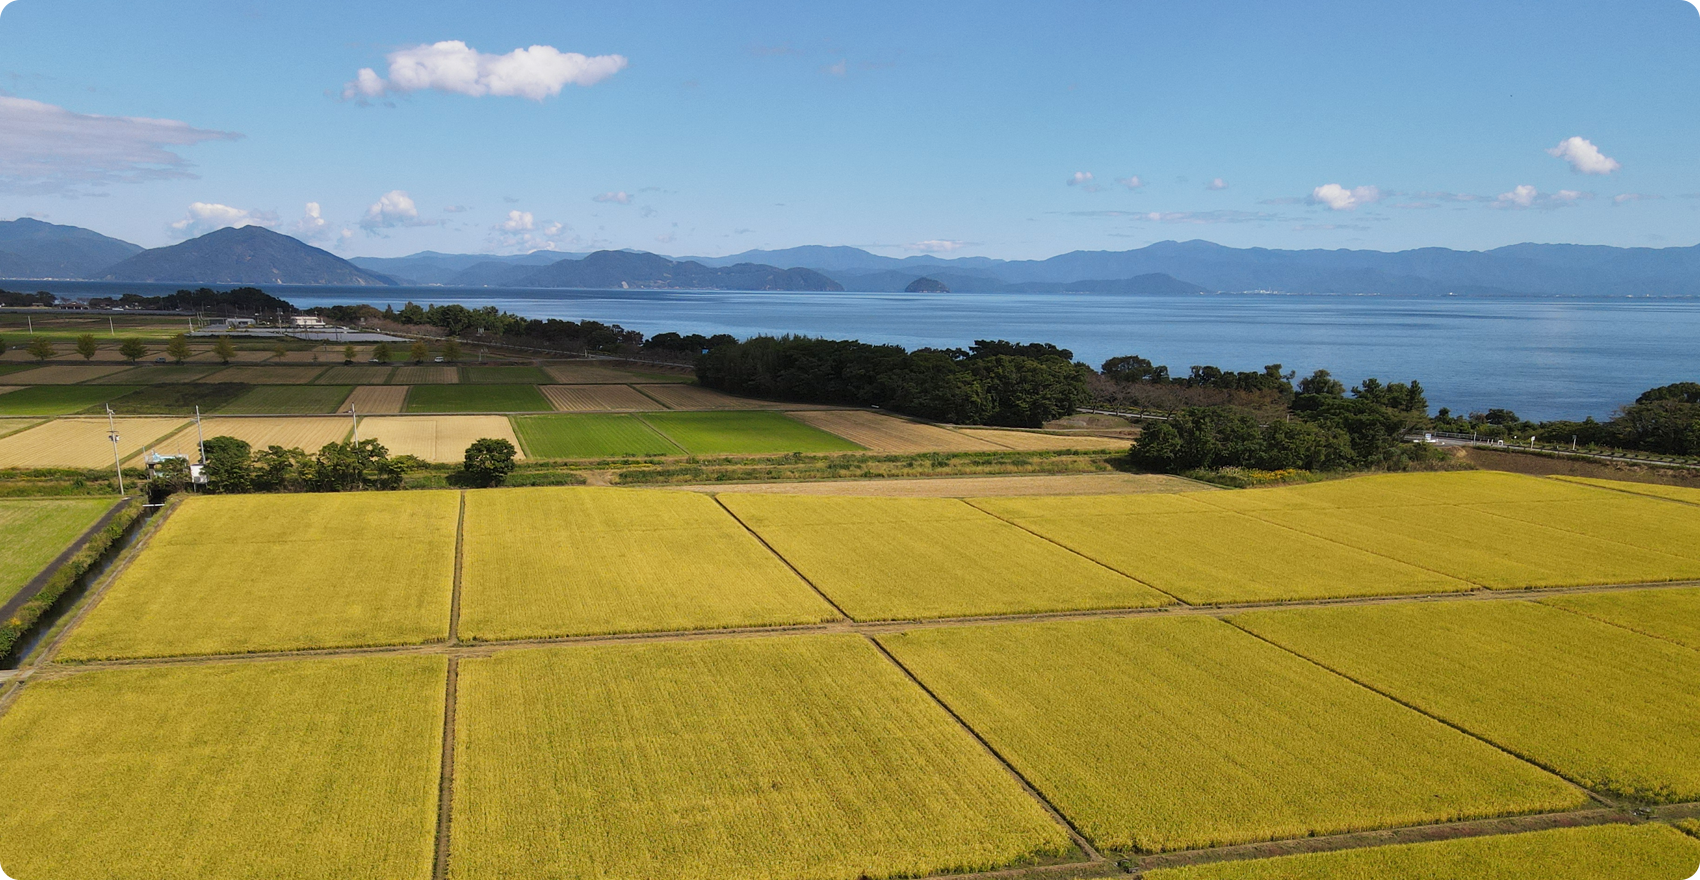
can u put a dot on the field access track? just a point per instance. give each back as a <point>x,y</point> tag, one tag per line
<point>660,733</point>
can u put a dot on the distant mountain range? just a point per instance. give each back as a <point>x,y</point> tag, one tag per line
<point>33,250</point>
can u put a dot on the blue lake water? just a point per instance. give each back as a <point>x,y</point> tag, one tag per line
<point>1544,357</point>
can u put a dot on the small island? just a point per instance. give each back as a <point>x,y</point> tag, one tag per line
<point>926,285</point>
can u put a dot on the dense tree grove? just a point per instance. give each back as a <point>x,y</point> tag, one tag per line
<point>11,300</point>
<point>233,467</point>
<point>993,383</point>
<point>242,300</point>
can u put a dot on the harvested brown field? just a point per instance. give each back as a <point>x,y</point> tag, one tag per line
<point>596,374</point>
<point>64,374</point>
<point>597,398</point>
<point>1033,441</point>
<point>81,443</point>
<point>882,433</point>
<point>6,389</point>
<point>240,357</point>
<point>155,374</point>
<point>972,487</point>
<point>376,399</point>
<point>437,438</point>
<point>266,375</point>
<point>355,375</point>
<point>311,356</point>
<point>692,397</point>
<point>422,375</point>
<point>308,433</point>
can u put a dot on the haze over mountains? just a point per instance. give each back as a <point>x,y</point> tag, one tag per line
<point>33,250</point>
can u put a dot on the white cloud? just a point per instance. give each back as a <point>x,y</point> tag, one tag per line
<point>1522,196</point>
<point>452,66</point>
<point>1339,198</point>
<point>392,209</point>
<point>50,150</point>
<point>522,232</point>
<point>936,246</point>
<point>1080,178</point>
<point>1584,157</point>
<point>205,217</point>
<point>621,197</point>
<point>1218,183</point>
<point>313,227</point>
<point>1132,181</point>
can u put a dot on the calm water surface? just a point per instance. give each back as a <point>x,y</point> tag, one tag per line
<point>1543,357</point>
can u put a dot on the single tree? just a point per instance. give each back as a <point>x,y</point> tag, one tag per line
<point>41,349</point>
<point>381,352</point>
<point>489,461</point>
<point>133,349</point>
<point>167,478</point>
<point>229,467</point>
<point>419,351</point>
<point>225,349</point>
<point>348,353</point>
<point>178,348</point>
<point>451,349</point>
<point>280,349</point>
<point>87,347</point>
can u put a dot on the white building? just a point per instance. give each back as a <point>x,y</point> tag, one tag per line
<point>306,321</point>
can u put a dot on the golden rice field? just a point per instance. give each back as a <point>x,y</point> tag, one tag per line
<point>265,375</point>
<point>1033,441</point>
<point>65,374</point>
<point>1687,494</point>
<point>1468,543</point>
<point>243,573</point>
<point>597,398</point>
<point>1619,852</point>
<point>308,433</point>
<point>574,561</point>
<point>882,433</point>
<point>293,770</point>
<point>375,399</point>
<point>1174,733</point>
<point>784,758</point>
<point>423,375</point>
<point>1112,483</point>
<point>1608,708</point>
<point>1403,491</point>
<point>1692,826</point>
<point>906,558</point>
<point>1203,555</point>
<point>12,426</point>
<point>81,443</point>
<point>1621,518</point>
<point>437,438</point>
<point>692,397</point>
<point>1672,614</point>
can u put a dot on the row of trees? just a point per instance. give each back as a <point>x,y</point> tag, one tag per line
<point>993,383</point>
<point>458,320</point>
<point>233,466</point>
<point>1663,420</point>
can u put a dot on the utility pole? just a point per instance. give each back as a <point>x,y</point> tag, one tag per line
<point>355,417</point>
<point>200,440</point>
<point>110,327</point>
<point>31,321</point>
<point>117,462</point>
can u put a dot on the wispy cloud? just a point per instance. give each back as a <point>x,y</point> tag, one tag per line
<point>1526,196</point>
<point>1584,157</point>
<point>452,66</point>
<point>1132,181</point>
<point>1182,217</point>
<point>620,197</point>
<point>1626,198</point>
<point>48,150</point>
<point>936,246</point>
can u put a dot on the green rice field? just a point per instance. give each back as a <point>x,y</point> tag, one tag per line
<point>33,532</point>
<point>288,400</point>
<point>589,435</point>
<point>504,376</point>
<point>476,398</point>
<point>738,433</point>
<point>59,400</point>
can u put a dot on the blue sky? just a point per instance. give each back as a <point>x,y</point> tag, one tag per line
<point>901,127</point>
